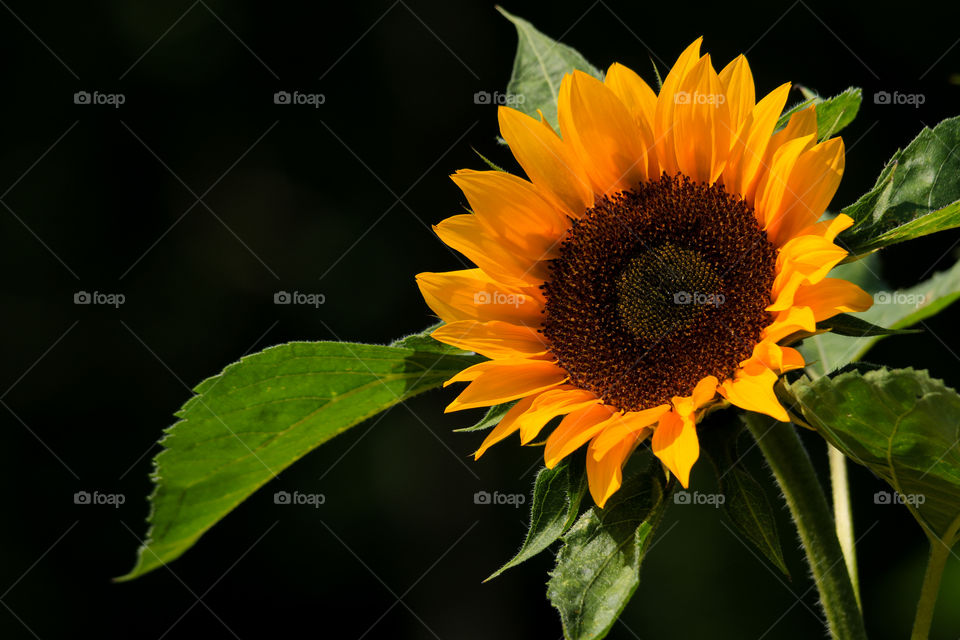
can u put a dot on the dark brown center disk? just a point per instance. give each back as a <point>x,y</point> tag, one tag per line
<point>657,288</point>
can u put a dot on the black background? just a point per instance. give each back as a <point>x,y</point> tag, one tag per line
<point>338,200</point>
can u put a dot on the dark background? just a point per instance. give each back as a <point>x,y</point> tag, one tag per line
<point>338,200</point>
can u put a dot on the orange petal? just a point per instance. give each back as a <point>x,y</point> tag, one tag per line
<point>702,127</point>
<point>513,209</point>
<point>635,94</point>
<point>772,356</point>
<point>493,339</point>
<point>471,294</point>
<point>574,430</point>
<point>675,442</point>
<point>789,322</point>
<point>813,180</point>
<point>605,471</point>
<point>627,427</point>
<point>831,296</point>
<point>746,166</point>
<point>755,393</point>
<point>499,381</point>
<point>774,184</point>
<point>508,424</point>
<point>549,163</point>
<point>663,119</point>
<point>602,132</point>
<point>549,405</point>
<point>466,234</point>
<point>737,81</point>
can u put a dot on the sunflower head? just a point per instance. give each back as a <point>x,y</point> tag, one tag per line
<point>660,251</point>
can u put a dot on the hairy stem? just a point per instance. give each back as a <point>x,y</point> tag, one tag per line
<point>805,497</point>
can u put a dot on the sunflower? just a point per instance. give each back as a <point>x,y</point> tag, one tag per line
<point>650,267</point>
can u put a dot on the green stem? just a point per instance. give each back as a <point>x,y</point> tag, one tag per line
<point>791,465</point>
<point>939,552</point>
<point>843,515</point>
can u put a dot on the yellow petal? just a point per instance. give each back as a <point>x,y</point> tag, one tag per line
<point>788,322</point>
<point>755,393</point>
<point>549,163</point>
<point>605,472</point>
<point>641,101</point>
<point>501,262</point>
<point>499,381</point>
<point>627,427</point>
<point>663,120</point>
<point>745,166</point>
<point>738,84</point>
<point>675,442</point>
<point>772,356</point>
<point>602,132</point>
<point>774,184</point>
<point>813,181</point>
<point>635,94</point>
<point>831,296</point>
<point>513,209</point>
<point>493,339</point>
<point>549,405</point>
<point>574,430</point>
<point>471,294</point>
<point>508,424</point>
<point>702,127</point>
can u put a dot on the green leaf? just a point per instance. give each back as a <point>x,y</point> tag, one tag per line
<point>901,424</point>
<point>423,342</point>
<point>845,324</point>
<point>916,194</point>
<point>746,504</point>
<point>598,567</point>
<point>897,310</point>
<point>833,114</point>
<point>538,68</point>
<point>749,509</point>
<point>557,494</point>
<point>260,415</point>
<point>492,418</point>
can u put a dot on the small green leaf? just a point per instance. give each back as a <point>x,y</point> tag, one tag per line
<point>897,310</point>
<point>538,68</point>
<point>833,114</point>
<point>845,324</point>
<point>901,424</point>
<point>749,508</point>
<point>263,413</point>
<point>916,194</point>
<point>557,494</point>
<point>746,504</point>
<point>598,567</point>
<point>492,418</point>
